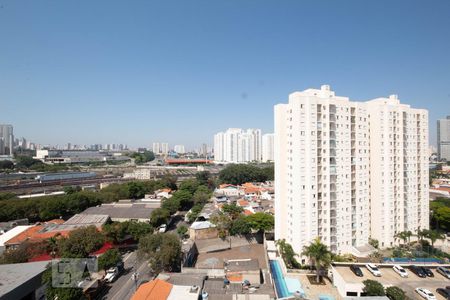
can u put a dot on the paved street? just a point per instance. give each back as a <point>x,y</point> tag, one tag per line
<point>124,287</point>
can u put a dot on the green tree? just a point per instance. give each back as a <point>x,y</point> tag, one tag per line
<point>241,173</point>
<point>404,235</point>
<point>189,185</point>
<point>138,229</point>
<point>184,197</point>
<point>240,226</point>
<point>223,223</point>
<point>6,165</point>
<point>172,204</point>
<point>109,259</point>
<point>59,293</point>
<point>162,250</point>
<point>204,178</point>
<point>373,288</point>
<point>433,236</point>
<point>318,254</point>
<point>288,254</point>
<point>15,256</point>
<point>114,232</point>
<point>374,243</point>
<point>261,221</point>
<point>232,210</point>
<point>182,230</point>
<point>194,212</point>
<point>159,216</point>
<point>202,194</point>
<point>81,242</point>
<point>395,293</point>
<point>136,190</point>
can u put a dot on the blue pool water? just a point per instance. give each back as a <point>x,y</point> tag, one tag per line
<point>326,297</point>
<point>285,287</point>
<point>280,284</point>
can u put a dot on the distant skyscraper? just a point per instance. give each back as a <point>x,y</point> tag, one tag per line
<point>160,148</point>
<point>267,147</point>
<point>443,138</point>
<point>7,135</point>
<point>179,149</point>
<point>204,150</point>
<point>236,145</point>
<point>346,171</point>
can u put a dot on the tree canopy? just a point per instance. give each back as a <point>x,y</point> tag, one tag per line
<point>395,293</point>
<point>319,254</point>
<point>162,250</point>
<point>373,288</point>
<point>81,242</point>
<point>109,259</point>
<point>242,173</point>
<point>143,157</point>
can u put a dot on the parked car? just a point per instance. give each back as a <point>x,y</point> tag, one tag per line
<point>373,269</point>
<point>427,271</point>
<point>162,228</point>
<point>426,294</point>
<point>444,272</point>
<point>444,293</point>
<point>418,271</point>
<point>400,271</point>
<point>356,270</point>
<point>111,274</point>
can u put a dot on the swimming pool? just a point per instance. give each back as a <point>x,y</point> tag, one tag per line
<point>285,287</point>
<point>280,284</point>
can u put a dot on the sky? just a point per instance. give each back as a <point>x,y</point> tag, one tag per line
<point>136,72</point>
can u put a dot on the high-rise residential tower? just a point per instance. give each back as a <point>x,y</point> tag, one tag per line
<point>160,148</point>
<point>179,149</point>
<point>443,138</point>
<point>267,147</point>
<point>324,151</point>
<point>236,145</point>
<point>7,136</point>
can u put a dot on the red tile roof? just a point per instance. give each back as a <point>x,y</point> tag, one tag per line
<point>153,290</point>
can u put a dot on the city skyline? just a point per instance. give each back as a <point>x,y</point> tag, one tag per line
<point>159,75</point>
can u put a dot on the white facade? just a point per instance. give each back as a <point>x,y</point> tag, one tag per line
<point>160,148</point>
<point>443,138</point>
<point>322,172</point>
<point>179,149</point>
<point>236,145</point>
<point>267,147</point>
<point>399,169</point>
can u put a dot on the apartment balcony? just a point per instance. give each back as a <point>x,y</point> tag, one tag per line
<point>352,119</point>
<point>333,187</point>
<point>333,214</point>
<point>332,118</point>
<point>332,109</point>
<point>332,152</point>
<point>332,127</point>
<point>332,135</point>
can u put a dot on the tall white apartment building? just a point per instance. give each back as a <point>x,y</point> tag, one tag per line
<point>7,137</point>
<point>267,147</point>
<point>160,148</point>
<point>179,149</point>
<point>443,138</point>
<point>236,145</point>
<point>399,169</point>
<point>323,181</point>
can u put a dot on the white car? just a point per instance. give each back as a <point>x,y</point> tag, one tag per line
<point>400,271</point>
<point>373,269</point>
<point>111,274</point>
<point>425,294</point>
<point>162,228</point>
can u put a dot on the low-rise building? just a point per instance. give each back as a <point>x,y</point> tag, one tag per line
<point>126,210</point>
<point>22,281</point>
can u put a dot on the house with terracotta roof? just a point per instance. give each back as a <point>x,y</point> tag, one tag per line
<point>158,289</point>
<point>227,190</point>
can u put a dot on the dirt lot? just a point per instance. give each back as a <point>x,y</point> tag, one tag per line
<point>389,277</point>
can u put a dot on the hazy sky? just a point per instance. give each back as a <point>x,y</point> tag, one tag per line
<point>179,71</point>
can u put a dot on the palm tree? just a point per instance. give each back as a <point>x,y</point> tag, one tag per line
<point>319,254</point>
<point>434,235</point>
<point>421,234</point>
<point>404,235</point>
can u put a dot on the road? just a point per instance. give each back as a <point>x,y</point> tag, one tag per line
<point>124,287</point>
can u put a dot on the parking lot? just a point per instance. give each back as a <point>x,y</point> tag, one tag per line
<point>391,278</point>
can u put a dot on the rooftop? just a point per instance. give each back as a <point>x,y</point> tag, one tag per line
<point>12,233</point>
<point>15,275</point>
<point>124,210</point>
<point>155,289</point>
<point>215,260</point>
<point>185,279</point>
